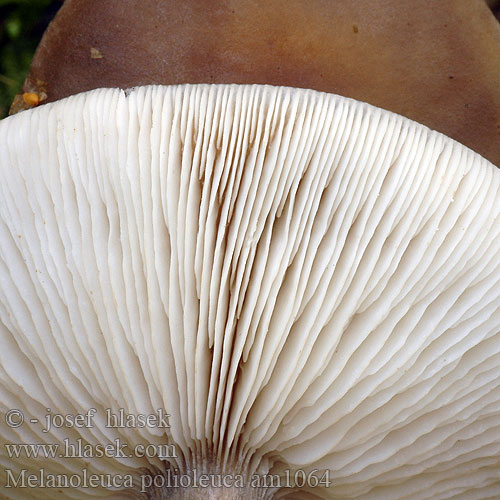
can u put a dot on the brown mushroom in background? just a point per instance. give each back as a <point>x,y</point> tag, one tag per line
<point>435,62</point>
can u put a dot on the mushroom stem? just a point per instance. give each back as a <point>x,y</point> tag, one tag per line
<point>205,484</point>
<point>213,493</point>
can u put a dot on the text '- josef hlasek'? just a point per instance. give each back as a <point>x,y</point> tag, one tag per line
<point>119,419</point>
<point>78,447</point>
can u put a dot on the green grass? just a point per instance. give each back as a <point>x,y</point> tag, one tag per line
<point>22,23</point>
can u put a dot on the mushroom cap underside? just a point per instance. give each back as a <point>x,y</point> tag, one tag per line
<point>304,283</point>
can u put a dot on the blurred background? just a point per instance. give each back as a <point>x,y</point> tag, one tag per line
<point>22,23</point>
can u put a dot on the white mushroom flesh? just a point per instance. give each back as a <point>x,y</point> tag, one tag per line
<point>301,281</point>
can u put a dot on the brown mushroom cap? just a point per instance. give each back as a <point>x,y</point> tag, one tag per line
<point>435,62</point>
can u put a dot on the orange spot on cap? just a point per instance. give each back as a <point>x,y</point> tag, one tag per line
<point>31,99</point>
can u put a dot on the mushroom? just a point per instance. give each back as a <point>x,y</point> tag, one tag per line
<point>435,62</point>
<point>259,286</point>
